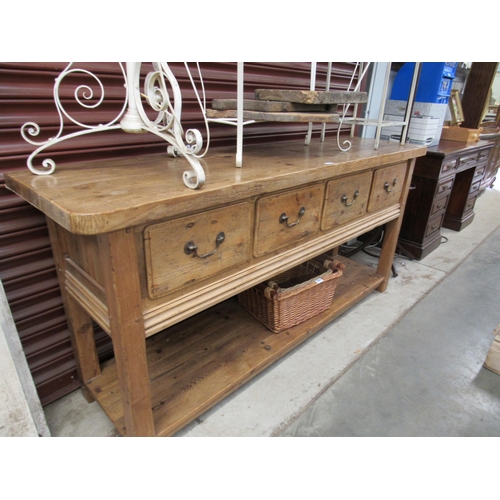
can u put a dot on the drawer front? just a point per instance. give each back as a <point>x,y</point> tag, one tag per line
<point>483,155</point>
<point>449,165</point>
<point>434,225</point>
<point>439,204</point>
<point>444,187</point>
<point>387,187</point>
<point>470,204</point>
<point>475,187</point>
<point>286,218</point>
<point>183,251</point>
<point>467,161</point>
<point>345,199</point>
<point>479,173</point>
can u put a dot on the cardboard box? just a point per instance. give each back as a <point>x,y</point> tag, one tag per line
<point>422,129</point>
<point>426,122</point>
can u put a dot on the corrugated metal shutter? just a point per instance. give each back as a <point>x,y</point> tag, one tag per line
<point>26,263</point>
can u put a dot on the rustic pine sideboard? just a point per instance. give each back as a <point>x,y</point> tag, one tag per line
<point>158,265</point>
<point>445,185</point>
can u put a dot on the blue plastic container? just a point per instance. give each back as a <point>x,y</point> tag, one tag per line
<point>435,83</point>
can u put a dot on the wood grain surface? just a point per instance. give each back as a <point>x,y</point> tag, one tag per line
<point>102,196</point>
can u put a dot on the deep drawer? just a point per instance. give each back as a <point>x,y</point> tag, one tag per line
<point>479,173</point>
<point>286,218</point>
<point>444,187</point>
<point>439,204</point>
<point>345,199</point>
<point>434,225</point>
<point>475,187</point>
<point>387,187</point>
<point>187,250</point>
<point>470,204</point>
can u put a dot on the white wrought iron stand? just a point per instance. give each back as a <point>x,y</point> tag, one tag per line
<point>132,118</point>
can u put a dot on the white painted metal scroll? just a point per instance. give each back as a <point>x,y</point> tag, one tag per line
<point>132,117</point>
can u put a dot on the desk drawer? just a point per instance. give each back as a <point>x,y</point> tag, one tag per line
<point>183,251</point>
<point>387,187</point>
<point>449,165</point>
<point>346,199</point>
<point>484,154</point>
<point>467,161</point>
<point>439,204</point>
<point>444,187</point>
<point>470,204</point>
<point>434,225</point>
<point>286,218</point>
<point>479,173</point>
<point>475,187</point>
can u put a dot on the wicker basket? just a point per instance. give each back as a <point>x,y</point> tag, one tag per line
<point>293,296</point>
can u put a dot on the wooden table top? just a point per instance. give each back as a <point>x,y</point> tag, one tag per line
<point>103,196</point>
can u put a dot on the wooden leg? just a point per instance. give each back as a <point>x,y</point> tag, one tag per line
<point>79,322</point>
<point>82,339</point>
<point>334,251</point>
<point>387,253</point>
<point>123,296</point>
<point>392,233</point>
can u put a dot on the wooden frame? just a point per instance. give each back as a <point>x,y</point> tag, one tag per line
<point>457,114</point>
<point>179,354</point>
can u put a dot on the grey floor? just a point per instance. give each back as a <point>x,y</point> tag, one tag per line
<point>425,377</point>
<point>406,362</point>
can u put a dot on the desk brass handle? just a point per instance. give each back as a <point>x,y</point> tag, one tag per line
<point>344,199</point>
<point>284,218</point>
<point>191,248</point>
<point>387,185</point>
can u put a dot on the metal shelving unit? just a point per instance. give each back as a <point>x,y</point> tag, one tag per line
<point>354,121</point>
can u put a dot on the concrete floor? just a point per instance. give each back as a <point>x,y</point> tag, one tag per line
<point>406,362</point>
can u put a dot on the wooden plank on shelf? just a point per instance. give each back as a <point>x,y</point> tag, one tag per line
<point>191,368</point>
<point>311,96</point>
<point>269,106</point>
<point>318,117</point>
<point>493,358</point>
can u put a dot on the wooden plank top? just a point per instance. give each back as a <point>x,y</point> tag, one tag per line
<point>288,116</point>
<point>103,196</point>
<point>268,106</point>
<point>311,96</point>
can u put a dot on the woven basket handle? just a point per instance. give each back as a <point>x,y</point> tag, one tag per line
<point>334,265</point>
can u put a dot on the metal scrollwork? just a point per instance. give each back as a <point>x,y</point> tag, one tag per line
<point>132,117</point>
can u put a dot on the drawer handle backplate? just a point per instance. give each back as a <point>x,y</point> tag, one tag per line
<point>284,218</point>
<point>387,186</point>
<point>191,248</point>
<point>344,199</point>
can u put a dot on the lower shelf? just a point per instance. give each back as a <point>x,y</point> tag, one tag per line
<point>196,363</point>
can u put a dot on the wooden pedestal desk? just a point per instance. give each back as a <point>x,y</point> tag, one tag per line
<point>158,265</point>
<point>444,188</point>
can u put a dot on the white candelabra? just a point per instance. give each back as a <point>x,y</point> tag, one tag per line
<point>132,118</point>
